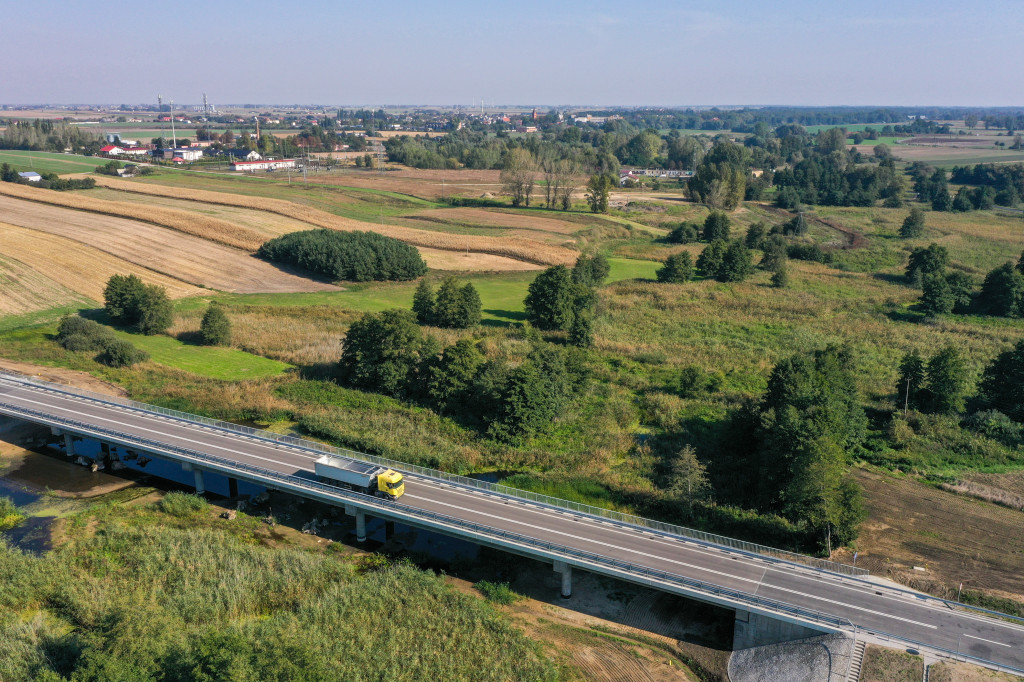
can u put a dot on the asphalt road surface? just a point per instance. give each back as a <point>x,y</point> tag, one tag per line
<point>866,604</point>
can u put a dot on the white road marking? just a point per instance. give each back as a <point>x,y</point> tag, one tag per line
<point>987,640</point>
<point>680,563</point>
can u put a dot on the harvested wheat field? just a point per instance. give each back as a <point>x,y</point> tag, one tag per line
<point>193,223</point>
<point>78,267</point>
<point>25,290</point>
<point>267,224</point>
<point>510,247</point>
<point>436,259</point>
<point>423,183</point>
<point>169,252</point>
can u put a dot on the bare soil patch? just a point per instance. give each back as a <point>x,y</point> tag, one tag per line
<point>78,267</point>
<point>68,377</point>
<point>950,536</point>
<point>172,253</point>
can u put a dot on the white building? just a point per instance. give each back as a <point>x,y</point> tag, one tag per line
<point>184,153</point>
<point>265,164</point>
<point>31,176</point>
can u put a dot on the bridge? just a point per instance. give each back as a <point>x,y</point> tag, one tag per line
<point>776,595</point>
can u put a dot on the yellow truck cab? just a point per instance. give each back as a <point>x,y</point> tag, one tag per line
<point>391,483</point>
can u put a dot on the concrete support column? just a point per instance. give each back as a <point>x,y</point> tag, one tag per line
<point>232,487</point>
<point>200,483</point>
<point>360,521</point>
<point>69,444</point>
<point>389,530</point>
<point>566,571</point>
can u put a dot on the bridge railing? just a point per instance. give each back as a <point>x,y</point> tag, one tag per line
<point>949,653</point>
<point>395,508</point>
<point>546,500</point>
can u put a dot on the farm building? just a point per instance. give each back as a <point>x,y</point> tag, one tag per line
<point>185,153</point>
<point>135,151</point>
<point>244,154</point>
<point>266,164</point>
<point>111,150</point>
<point>31,176</point>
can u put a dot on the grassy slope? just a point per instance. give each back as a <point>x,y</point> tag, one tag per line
<point>229,364</point>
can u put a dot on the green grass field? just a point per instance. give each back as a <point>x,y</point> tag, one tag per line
<point>49,162</point>
<point>228,364</point>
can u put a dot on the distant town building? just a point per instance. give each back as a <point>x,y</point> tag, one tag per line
<point>244,154</point>
<point>111,150</point>
<point>184,153</point>
<point>265,165</point>
<point>135,151</point>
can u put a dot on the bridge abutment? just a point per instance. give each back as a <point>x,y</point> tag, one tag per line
<point>754,629</point>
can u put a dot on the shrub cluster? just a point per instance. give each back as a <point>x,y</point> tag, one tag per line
<point>560,299</point>
<point>130,302</point>
<point>78,334</point>
<point>453,307</point>
<point>352,256</point>
<point>726,261</point>
<point>387,353</point>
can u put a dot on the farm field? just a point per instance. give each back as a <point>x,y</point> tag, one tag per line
<point>174,254</point>
<point>80,268</point>
<point>25,290</point>
<point>945,156</point>
<point>49,162</point>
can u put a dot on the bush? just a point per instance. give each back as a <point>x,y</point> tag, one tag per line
<point>499,593</point>
<point>678,268</point>
<point>128,301</point>
<point>353,256</point>
<point>10,515</point>
<point>183,505</point>
<point>120,353</point>
<point>995,425</point>
<point>684,233</point>
<point>215,329</point>
<point>79,334</point>
<point>809,252</point>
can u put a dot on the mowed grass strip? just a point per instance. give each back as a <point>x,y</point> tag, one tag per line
<point>212,229</point>
<point>513,247</point>
<point>47,162</point>
<point>216,362</point>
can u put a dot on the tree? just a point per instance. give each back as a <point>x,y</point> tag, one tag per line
<point>912,380</point>
<point>962,201</point>
<point>678,268</point>
<point>155,311</point>
<point>942,201</point>
<point>716,226</point>
<point>709,262</point>
<point>1002,293</point>
<point>684,233</point>
<point>947,381</point>
<point>780,277</point>
<point>215,328</point>
<point>737,263</point>
<point>581,332</point>
<point>591,271</point>
<point>936,295</point>
<point>452,376</point>
<point>470,306</point>
<point>1002,383</point>
<point>518,173</point>
<point>913,224</point>
<point>961,287</point>
<point>598,189</point>
<point>756,234</point>
<point>381,352</point>
<point>774,253</point>
<point>551,299</point>
<point>121,296</point>
<point>688,480</point>
<point>423,302</point>
<point>925,261</point>
<point>1020,264</point>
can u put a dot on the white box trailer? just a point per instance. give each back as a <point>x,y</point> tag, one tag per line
<point>371,479</point>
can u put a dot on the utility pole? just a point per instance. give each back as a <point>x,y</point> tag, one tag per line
<point>906,399</point>
<point>174,136</point>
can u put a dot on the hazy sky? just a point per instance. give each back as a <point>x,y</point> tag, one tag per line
<point>814,52</point>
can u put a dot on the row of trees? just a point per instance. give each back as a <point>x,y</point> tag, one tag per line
<point>452,307</point>
<point>48,181</point>
<point>942,292</point>
<point>351,256</point>
<point>387,353</point>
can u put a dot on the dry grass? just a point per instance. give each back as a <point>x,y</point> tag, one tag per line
<point>987,493</point>
<point>465,261</point>
<point>76,266</point>
<point>511,247</point>
<point>964,672</point>
<point>889,665</point>
<point>24,290</point>
<point>169,252</point>
<point>490,218</point>
<point>213,229</point>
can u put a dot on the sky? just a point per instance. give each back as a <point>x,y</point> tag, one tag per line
<point>652,53</point>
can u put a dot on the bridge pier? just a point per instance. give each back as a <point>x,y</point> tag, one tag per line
<point>232,487</point>
<point>754,629</point>
<point>566,571</point>
<point>69,444</point>
<point>360,521</point>
<point>198,474</point>
<point>389,530</point>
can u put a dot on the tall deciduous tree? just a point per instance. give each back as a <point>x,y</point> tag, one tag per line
<point>551,300</point>
<point>518,174</point>
<point>947,381</point>
<point>1002,384</point>
<point>598,189</point>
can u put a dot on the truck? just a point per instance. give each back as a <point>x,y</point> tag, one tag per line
<point>364,477</point>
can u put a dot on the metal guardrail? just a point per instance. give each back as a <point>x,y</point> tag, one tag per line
<point>629,519</point>
<point>744,598</point>
<point>955,655</point>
